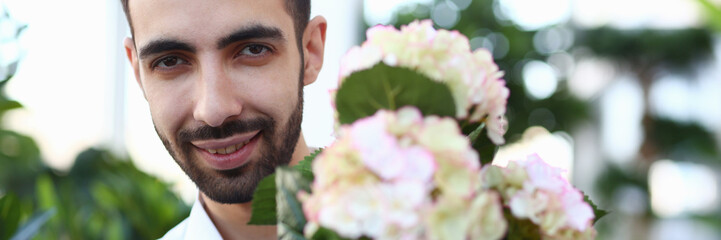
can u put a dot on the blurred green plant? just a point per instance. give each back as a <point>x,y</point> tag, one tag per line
<point>101,197</point>
<point>104,197</point>
<point>645,53</point>
<point>648,54</point>
<point>713,13</point>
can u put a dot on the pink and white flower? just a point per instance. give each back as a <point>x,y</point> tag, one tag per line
<point>534,190</point>
<point>397,175</point>
<point>445,56</point>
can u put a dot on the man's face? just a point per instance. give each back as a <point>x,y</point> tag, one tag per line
<point>223,82</point>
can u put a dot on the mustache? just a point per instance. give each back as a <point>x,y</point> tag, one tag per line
<point>226,130</point>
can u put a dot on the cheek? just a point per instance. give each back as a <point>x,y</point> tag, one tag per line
<point>285,93</point>
<point>274,89</point>
<point>169,106</point>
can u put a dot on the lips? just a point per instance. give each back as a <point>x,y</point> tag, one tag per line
<point>228,153</point>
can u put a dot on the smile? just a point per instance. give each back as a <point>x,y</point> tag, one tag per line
<point>229,149</point>
<point>228,153</point>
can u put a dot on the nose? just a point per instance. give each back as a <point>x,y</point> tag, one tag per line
<point>216,99</point>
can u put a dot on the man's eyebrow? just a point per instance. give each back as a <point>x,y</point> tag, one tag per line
<point>164,45</point>
<point>255,31</point>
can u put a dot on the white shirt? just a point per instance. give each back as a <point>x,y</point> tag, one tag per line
<point>197,226</point>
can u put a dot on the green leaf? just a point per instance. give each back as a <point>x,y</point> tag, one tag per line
<point>384,87</point>
<point>326,234</point>
<point>114,230</point>
<point>290,211</point>
<point>521,229</point>
<point>32,227</point>
<point>713,13</point>
<point>9,105</point>
<point>473,136</point>
<point>286,232</point>
<point>597,212</point>
<point>10,69</point>
<point>305,166</point>
<point>104,196</point>
<point>7,78</point>
<point>264,205</point>
<point>10,214</point>
<point>47,197</point>
<point>477,135</point>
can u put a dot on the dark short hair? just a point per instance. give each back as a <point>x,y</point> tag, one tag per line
<point>299,10</point>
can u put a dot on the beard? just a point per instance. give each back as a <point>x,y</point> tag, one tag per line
<point>277,144</point>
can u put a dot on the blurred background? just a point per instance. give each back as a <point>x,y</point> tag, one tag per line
<point>625,94</point>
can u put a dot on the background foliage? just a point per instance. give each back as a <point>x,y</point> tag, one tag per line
<point>646,54</point>
<point>101,197</point>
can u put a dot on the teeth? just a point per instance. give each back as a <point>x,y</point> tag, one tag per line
<point>229,149</point>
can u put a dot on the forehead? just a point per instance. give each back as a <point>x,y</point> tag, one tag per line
<point>201,21</point>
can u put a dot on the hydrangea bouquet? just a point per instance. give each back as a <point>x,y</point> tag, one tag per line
<point>420,117</point>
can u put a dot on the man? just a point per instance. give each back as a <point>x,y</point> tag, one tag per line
<point>224,81</point>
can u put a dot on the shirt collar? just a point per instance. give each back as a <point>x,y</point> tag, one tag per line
<point>199,224</point>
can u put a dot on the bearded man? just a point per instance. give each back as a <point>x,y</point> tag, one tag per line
<point>224,82</point>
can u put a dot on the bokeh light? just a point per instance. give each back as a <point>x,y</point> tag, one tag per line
<point>445,14</point>
<point>534,14</point>
<point>551,40</point>
<point>494,42</point>
<point>626,14</point>
<point>540,79</point>
<point>678,188</point>
<point>672,98</point>
<point>621,112</point>
<point>590,76</point>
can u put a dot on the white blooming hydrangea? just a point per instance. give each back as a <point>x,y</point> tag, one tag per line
<point>534,190</point>
<point>444,56</point>
<point>480,217</point>
<point>397,175</point>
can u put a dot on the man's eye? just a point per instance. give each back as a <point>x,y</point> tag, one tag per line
<point>169,62</point>
<point>254,50</point>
